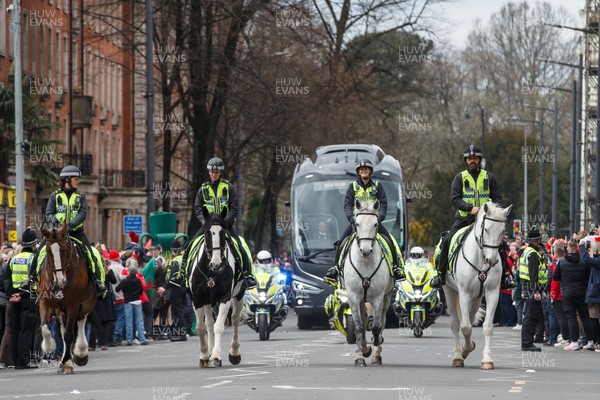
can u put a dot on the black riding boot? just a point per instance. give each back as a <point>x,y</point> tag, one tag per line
<point>333,274</point>
<point>442,265</point>
<point>398,269</point>
<point>246,269</point>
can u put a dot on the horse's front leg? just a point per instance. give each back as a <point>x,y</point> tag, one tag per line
<point>234,354</point>
<point>67,329</point>
<point>48,342</point>
<point>80,348</point>
<point>465,324</point>
<point>359,312</point>
<point>453,310</point>
<point>219,328</point>
<point>201,331</point>
<point>491,301</point>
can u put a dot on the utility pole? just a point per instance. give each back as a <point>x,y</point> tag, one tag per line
<point>19,161</point>
<point>149,114</point>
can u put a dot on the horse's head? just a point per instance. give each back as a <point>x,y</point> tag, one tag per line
<point>490,225</point>
<point>59,250</point>
<point>215,244</point>
<point>366,221</point>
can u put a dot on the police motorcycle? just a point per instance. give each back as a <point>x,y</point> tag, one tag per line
<point>338,310</point>
<point>265,307</point>
<point>417,304</point>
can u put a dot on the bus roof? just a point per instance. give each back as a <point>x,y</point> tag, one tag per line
<point>342,158</point>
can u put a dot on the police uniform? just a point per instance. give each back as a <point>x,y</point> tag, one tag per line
<point>70,206</point>
<point>366,192</point>
<point>23,313</point>
<point>176,294</point>
<point>534,276</point>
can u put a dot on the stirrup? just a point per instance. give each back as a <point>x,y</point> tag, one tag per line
<point>509,283</point>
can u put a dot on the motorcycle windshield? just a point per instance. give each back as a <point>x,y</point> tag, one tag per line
<point>418,273</point>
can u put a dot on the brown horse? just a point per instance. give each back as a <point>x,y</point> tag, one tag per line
<point>65,291</point>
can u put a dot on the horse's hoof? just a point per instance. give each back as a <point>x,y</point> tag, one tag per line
<point>487,365</point>
<point>466,353</point>
<point>65,370</point>
<point>376,360</point>
<point>203,363</point>
<point>81,361</point>
<point>216,363</point>
<point>360,362</point>
<point>235,360</point>
<point>457,362</point>
<point>368,352</point>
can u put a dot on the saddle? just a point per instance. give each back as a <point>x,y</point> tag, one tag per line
<point>197,243</point>
<point>454,246</point>
<point>385,248</point>
<point>93,255</point>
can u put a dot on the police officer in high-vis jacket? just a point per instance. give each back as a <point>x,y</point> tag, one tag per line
<point>68,205</point>
<point>365,188</point>
<point>216,195</point>
<point>534,275</point>
<point>21,310</point>
<point>470,190</point>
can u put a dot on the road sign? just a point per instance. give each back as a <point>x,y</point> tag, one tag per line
<point>12,236</point>
<point>132,223</point>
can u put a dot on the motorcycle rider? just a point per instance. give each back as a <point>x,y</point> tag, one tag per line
<point>471,188</point>
<point>365,188</point>
<point>216,195</point>
<point>265,258</point>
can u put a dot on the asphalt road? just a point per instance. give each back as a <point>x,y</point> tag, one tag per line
<point>318,364</point>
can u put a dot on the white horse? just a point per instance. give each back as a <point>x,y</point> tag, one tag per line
<point>477,271</point>
<point>212,283</point>
<point>367,278</point>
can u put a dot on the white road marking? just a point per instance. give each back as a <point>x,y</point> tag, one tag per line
<point>244,373</point>
<point>216,384</point>
<point>288,387</point>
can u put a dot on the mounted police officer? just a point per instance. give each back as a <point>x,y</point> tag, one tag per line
<point>534,275</point>
<point>365,188</point>
<point>470,190</point>
<point>216,195</point>
<point>68,205</point>
<point>22,310</point>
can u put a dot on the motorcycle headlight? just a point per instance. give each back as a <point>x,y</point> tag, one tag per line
<point>417,293</point>
<point>262,296</point>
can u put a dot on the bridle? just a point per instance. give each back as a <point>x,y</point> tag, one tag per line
<point>51,266</point>
<point>371,239</point>
<point>482,272</point>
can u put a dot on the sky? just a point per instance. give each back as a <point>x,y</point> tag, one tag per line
<point>461,15</point>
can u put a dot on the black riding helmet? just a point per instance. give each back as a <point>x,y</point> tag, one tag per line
<point>472,151</point>
<point>364,163</point>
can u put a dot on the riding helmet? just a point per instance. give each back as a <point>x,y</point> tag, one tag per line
<point>215,164</point>
<point>364,163</point>
<point>29,238</point>
<point>70,170</point>
<point>472,151</point>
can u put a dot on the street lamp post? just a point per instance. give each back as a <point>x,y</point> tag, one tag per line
<point>575,192</point>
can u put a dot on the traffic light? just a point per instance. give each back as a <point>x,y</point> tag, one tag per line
<point>517,225</point>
